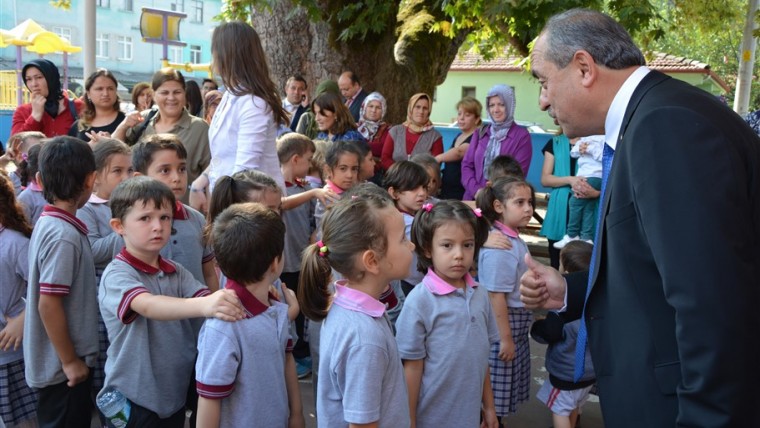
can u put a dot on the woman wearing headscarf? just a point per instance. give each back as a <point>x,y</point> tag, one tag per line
<point>372,126</point>
<point>49,111</point>
<point>306,124</point>
<point>502,137</point>
<point>416,135</point>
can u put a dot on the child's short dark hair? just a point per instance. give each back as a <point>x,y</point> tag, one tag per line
<point>500,190</point>
<point>237,236</point>
<point>65,163</point>
<point>106,148</point>
<point>362,146</point>
<point>405,175</point>
<point>292,144</point>
<point>576,256</point>
<point>426,160</point>
<point>140,188</point>
<point>505,166</point>
<point>337,149</point>
<point>142,152</point>
<point>427,221</point>
<point>368,189</point>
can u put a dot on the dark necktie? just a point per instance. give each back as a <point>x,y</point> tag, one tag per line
<point>582,340</point>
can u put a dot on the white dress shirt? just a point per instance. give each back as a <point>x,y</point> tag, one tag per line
<point>243,136</point>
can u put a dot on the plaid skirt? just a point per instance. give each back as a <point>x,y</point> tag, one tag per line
<point>18,401</point>
<point>510,381</point>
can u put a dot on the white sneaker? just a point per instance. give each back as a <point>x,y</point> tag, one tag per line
<point>562,242</point>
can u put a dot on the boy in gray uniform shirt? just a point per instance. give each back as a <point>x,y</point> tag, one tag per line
<point>246,374</point>
<point>163,157</point>
<point>146,302</point>
<point>61,322</point>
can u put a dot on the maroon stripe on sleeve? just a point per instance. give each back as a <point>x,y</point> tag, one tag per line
<point>214,391</point>
<point>54,289</point>
<point>124,311</point>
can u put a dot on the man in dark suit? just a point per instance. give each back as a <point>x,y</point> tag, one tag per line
<point>296,100</point>
<point>675,282</point>
<point>353,93</point>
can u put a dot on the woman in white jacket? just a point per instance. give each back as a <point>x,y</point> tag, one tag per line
<point>243,131</point>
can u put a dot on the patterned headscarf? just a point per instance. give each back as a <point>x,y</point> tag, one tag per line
<point>499,130</point>
<point>368,128</point>
<point>53,78</point>
<point>418,128</point>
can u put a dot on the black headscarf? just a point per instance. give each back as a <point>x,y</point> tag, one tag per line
<point>50,71</point>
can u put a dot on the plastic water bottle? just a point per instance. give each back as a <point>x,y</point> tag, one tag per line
<point>115,407</point>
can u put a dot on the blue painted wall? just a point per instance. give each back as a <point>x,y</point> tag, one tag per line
<point>536,163</point>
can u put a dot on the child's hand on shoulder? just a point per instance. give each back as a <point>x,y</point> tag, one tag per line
<point>326,195</point>
<point>224,305</point>
<point>498,241</point>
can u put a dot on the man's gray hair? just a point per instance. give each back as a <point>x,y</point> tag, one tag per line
<point>601,36</point>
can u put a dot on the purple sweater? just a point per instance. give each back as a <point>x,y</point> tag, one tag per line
<point>516,144</point>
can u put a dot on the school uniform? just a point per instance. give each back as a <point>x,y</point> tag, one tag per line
<point>105,244</point>
<point>451,329</point>
<point>149,361</point>
<point>361,379</point>
<point>17,401</point>
<point>499,271</point>
<point>415,276</point>
<point>299,225</point>
<point>61,265</point>
<point>32,201</point>
<point>320,209</point>
<point>185,245</point>
<point>242,363</point>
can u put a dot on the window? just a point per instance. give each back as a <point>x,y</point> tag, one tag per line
<point>468,91</point>
<point>103,3</point>
<point>125,48</point>
<point>178,6</point>
<point>101,45</point>
<point>196,14</point>
<point>175,54</point>
<point>195,54</point>
<point>127,5</point>
<point>63,32</point>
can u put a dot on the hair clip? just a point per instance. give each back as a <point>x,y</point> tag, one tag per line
<point>427,207</point>
<point>322,248</point>
<point>24,156</point>
<point>478,212</point>
<point>354,197</point>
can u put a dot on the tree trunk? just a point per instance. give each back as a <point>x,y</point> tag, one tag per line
<point>746,61</point>
<point>396,66</point>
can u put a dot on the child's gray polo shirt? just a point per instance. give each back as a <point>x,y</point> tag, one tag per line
<point>499,271</point>
<point>105,243</point>
<point>299,223</point>
<point>185,245</point>
<point>14,273</point>
<point>361,379</point>
<point>60,264</point>
<point>32,201</point>
<point>242,363</point>
<point>149,361</point>
<point>452,330</point>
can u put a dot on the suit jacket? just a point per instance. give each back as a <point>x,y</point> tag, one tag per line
<point>356,105</point>
<point>671,313</point>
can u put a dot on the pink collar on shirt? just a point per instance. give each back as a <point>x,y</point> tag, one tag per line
<point>438,286</point>
<point>357,301</point>
<point>506,229</point>
<point>333,187</point>
<point>251,304</point>
<point>164,266</point>
<point>34,186</point>
<point>94,199</point>
<point>51,211</point>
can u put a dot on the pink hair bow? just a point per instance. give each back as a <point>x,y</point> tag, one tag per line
<point>427,207</point>
<point>478,212</point>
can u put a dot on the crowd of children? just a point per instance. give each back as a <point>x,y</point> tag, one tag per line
<point>404,307</point>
